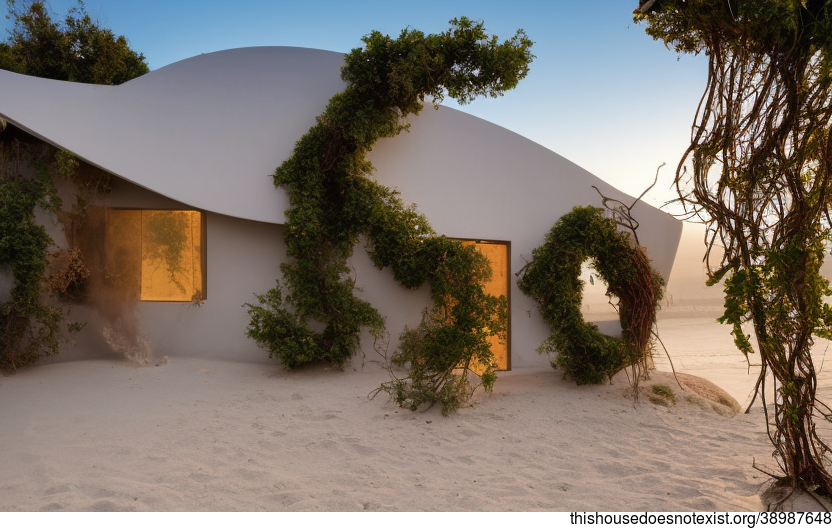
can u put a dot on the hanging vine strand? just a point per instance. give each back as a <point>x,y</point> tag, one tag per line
<point>761,179</point>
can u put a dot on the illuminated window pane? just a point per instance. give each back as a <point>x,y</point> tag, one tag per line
<point>156,255</point>
<point>123,255</point>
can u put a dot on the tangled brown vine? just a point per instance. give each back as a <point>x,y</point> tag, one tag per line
<point>638,298</point>
<point>761,180</point>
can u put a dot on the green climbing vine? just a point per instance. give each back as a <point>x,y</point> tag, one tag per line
<point>314,315</point>
<point>29,328</point>
<point>552,279</point>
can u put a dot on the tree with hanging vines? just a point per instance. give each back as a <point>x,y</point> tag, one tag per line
<point>314,315</point>
<point>758,172</point>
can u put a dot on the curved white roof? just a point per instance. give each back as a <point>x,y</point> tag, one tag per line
<point>209,132</point>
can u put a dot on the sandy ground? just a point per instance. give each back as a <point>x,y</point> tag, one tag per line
<point>196,434</point>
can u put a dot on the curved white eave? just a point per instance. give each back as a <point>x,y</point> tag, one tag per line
<point>207,131</point>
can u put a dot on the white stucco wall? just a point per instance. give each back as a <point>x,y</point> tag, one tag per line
<point>242,258</point>
<point>207,132</point>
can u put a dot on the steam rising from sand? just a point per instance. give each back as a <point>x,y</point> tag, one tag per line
<point>132,346</point>
<point>111,292</point>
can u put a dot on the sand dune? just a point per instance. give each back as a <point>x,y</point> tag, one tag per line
<point>198,434</point>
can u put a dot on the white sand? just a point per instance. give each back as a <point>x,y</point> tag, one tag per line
<point>197,434</point>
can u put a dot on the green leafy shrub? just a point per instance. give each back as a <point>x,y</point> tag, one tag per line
<point>274,326</point>
<point>552,279</point>
<point>450,346</point>
<point>74,48</point>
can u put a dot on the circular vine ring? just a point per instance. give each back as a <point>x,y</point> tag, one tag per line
<point>552,279</point>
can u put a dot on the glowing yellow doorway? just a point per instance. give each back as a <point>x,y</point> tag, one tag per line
<point>498,254</point>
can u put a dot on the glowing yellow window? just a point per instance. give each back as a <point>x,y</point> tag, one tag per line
<point>157,255</point>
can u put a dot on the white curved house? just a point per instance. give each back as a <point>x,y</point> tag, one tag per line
<point>205,135</point>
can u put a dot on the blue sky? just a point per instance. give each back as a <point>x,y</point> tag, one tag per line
<point>600,92</point>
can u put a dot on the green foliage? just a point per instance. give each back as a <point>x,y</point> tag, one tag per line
<point>695,26</point>
<point>451,343</point>
<point>333,201</point>
<point>29,329</point>
<point>78,50</point>
<point>552,279</point>
<point>463,62</point>
<point>287,338</point>
<point>665,395</point>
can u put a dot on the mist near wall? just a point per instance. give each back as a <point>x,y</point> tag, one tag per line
<point>109,300</point>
